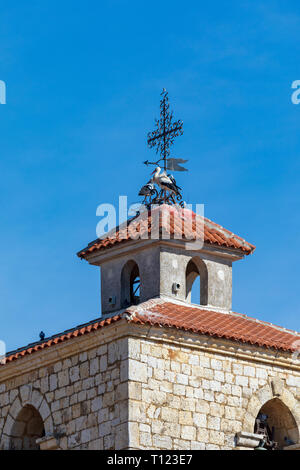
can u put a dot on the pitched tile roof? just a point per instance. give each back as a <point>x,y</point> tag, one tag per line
<point>232,326</point>
<point>61,337</point>
<point>170,222</point>
<point>157,312</point>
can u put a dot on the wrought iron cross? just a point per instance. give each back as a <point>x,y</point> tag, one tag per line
<point>163,137</point>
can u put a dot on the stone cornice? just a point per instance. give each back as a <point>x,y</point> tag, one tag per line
<point>99,257</point>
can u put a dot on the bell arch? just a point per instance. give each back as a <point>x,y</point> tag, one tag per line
<point>281,423</point>
<point>196,269</point>
<point>282,409</point>
<point>130,284</point>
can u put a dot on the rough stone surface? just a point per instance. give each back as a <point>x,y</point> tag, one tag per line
<point>147,392</point>
<point>195,399</point>
<point>85,406</point>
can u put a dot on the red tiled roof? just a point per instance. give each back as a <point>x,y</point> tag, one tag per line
<point>80,331</point>
<point>184,224</point>
<point>156,312</point>
<point>231,326</point>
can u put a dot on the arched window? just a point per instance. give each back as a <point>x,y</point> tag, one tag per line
<point>130,284</point>
<point>277,425</point>
<point>196,281</point>
<point>27,428</point>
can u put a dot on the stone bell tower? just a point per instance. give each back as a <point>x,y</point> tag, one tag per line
<point>153,256</point>
<point>160,252</point>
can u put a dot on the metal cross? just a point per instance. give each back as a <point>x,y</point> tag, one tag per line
<point>163,137</point>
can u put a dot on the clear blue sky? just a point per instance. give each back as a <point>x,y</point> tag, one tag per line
<point>83,83</point>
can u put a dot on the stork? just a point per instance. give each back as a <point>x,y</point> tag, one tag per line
<point>147,189</point>
<point>165,181</point>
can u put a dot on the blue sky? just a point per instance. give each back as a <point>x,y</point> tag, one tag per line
<point>83,82</point>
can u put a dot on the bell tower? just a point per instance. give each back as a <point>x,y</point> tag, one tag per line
<point>165,248</point>
<point>136,270</point>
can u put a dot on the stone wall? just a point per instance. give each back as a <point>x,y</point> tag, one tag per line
<point>183,397</point>
<point>82,399</point>
<point>138,387</point>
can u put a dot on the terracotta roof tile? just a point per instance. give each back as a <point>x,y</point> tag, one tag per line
<point>230,326</point>
<point>184,224</point>
<point>156,312</point>
<point>96,325</point>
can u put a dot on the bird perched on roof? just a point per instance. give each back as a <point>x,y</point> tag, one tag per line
<point>42,336</point>
<point>165,181</point>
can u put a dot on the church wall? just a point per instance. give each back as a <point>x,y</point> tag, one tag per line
<point>130,386</point>
<point>185,398</point>
<point>82,399</point>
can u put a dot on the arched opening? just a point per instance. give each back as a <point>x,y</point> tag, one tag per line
<point>27,428</point>
<point>196,281</point>
<point>277,425</point>
<point>130,284</point>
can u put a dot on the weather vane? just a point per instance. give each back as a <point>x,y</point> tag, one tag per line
<point>162,138</point>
